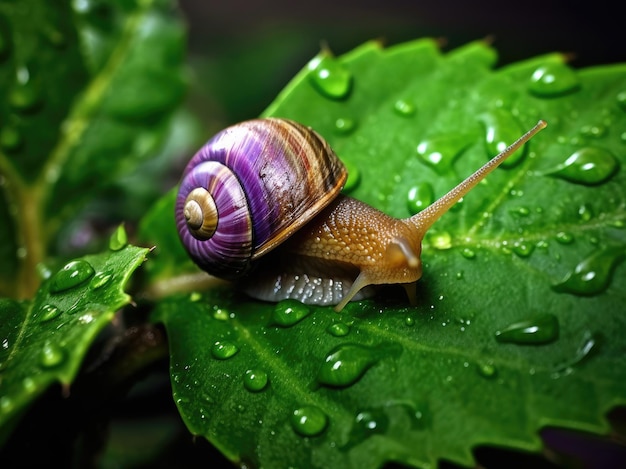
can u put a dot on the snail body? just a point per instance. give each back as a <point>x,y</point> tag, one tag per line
<point>260,204</point>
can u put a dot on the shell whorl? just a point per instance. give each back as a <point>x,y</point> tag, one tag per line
<point>249,188</point>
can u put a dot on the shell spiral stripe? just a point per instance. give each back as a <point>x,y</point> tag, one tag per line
<point>286,174</point>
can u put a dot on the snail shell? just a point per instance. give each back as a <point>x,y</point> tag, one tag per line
<point>249,188</point>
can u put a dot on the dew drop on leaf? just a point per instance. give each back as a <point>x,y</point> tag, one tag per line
<point>564,237</point>
<point>72,275</point>
<point>585,212</point>
<point>48,312</point>
<point>367,423</point>
<point>468,253</point>
<point>338,329</point>
<point>593,274</point>
<point>255,380</point>
<point>220,314</point>
<point>404,108</point>
<point>224,349</point>
<point>118,239</point>
<point>487,370</point>
<point>440,152</point>
<point>330,77</point>
<point>28,385</point>
<point>354,176</point>
<point>553,79</point>
<point>51,355</point>
<point>523,249</point>
<point>441,240</point>
<point>6,404</point>
<point>419,197</point>
<point>289,312</point>
<point>539,329</point>
<point>309,420</point>
<point>100,279</point>
<point>347,363</point>
<point>344,125</point>
<point>502,129</point>
<point>587,166</point>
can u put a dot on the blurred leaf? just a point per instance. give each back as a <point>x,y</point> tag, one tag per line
<point>45,340</point>
<point>386,382</point>
<point>87,92</point>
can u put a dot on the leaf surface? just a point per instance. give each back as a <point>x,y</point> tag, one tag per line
<point>45,340</point>
<point>520,312</point>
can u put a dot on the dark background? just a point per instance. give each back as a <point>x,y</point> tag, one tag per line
<point>243,52</point>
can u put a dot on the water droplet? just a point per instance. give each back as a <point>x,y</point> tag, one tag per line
<point>10,138</point>
<point>338,329</point>
<point>502,129</point>
<point>72,275</point>
<point>587,166</point>
<point>289,312</point>
<point>223,350</point>
<point>404,108</point>
<point>409,321</point>
<point>309,420</point>
<point>487,370</point>
<point>440,240</point>
<point>593,274</point>
<point>118,239</point>
<point>585,212</point>
<point>520,211</point>
<point>553,79</point>
<point>354,176</point>
<point>255,380</point>
<point>220,314</point>
<point>564,238</point>
<point>347,363</point>
<point>621,100</point>
<point>441,151</point>
<point>419,197</point>
<point>100,280</point>
<point>48,313</point>
<point>468,253</point>
<point>539,329</point>
<point>345,125</point>
<point>330,77</point>
<point>26,92</point>
<point>368,422</point>
<point>51,355</point>
<point>523,249</point>
<point>29,385</point>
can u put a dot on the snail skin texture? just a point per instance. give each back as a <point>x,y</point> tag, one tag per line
<point>260,204</point>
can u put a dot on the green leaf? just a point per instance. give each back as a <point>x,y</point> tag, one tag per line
<point>45,340</point>
<point>531,249</point>
<point>88,89</point>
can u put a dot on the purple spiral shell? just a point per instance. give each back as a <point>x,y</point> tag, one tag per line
<point>267,177</point>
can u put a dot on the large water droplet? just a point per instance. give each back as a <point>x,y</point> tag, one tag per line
<point>502,129</point>
<point>330,77</point>
<point>48,313</point>
<point>487,370</point>
<point>564,237</point>
<point>255,380</point>
<point>338,329</point>
<point>419,197</point>
<point>224,349</point>
<point>553,79</point>
<point>539,329</point>
<point>585,212</point>
<point>441,151</point>
<point>523,248</point>
<point>368,422</point>
<point>118,239</point>
<point>309,420</point>
<point>588,166</point>
<point>347,363</point>
<point>593,274</point>
<point>289,312</point>
<point>72,275</point>
<point>51,355</point>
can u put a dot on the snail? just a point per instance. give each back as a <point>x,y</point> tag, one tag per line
<point>260,204</point>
